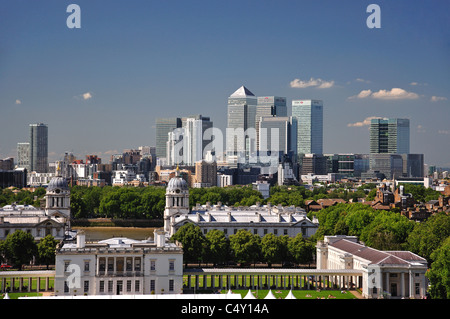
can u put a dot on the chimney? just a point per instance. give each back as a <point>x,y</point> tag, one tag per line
<point>81,239</point>
<point>159,238</point>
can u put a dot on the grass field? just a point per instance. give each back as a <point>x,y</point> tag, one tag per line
<point>16,295</point>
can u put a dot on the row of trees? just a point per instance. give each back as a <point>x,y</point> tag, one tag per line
<point>20,248</point>
<point>243,247</point>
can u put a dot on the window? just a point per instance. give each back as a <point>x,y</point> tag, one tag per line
<point>137,264</point>
<point>285,232</point>
<point>110,286</point>
<point>417,288</point>
<point>265,231</point>
<point>86,286</point>
<point>275,231</point>
<point>171,284</point>
<point>171,265</point>
<point>255,231</point>
<point>137,286</point>
<point>225,231</point>
<point>129,264</point>
<point>152,265</point>
<point>205,231</point>
<point>102,286</point>
<point>152,285</point>
<point>66,287</point>
<point>66,265</point>
<point>128,285</point>
<point>86,265</point>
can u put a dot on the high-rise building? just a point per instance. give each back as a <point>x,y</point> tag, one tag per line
<point>163,127</point>
<point>389,135</point>
<point>269,106</point>
<point>241,117</point>
<point>23,155</point>
<point>186,144</point>
<point>39,147</point>
<point>309,114</point>
<point>277,133</point>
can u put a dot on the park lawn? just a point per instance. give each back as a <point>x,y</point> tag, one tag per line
<point>299,294</point>
<point>16,295</point>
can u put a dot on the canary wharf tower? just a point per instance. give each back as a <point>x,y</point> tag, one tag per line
<point>241,117</point>
<point>38,147</point>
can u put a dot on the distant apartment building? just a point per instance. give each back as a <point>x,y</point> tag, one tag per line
<point>39,147</point>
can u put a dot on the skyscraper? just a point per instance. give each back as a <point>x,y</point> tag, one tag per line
<point>389,135</point>
<point>186,144</point>
<point>163,127</point>
<point>269,106</point>
<point>309,114</point>
<point>39,147</point>
<point>286,129</point>
<point>23,155</point>
<point>241,117</point>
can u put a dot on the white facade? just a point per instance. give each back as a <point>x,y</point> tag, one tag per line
<point>385,274</point>
<point>39,223</point>
<point>119,266</point>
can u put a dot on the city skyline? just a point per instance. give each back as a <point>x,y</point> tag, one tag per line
<point>101,87</point>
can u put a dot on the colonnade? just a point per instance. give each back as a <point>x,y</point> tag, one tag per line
<point>202,279</point>
<point>9,280</point>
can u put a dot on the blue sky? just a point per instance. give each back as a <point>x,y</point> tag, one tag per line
<point>100,87</point>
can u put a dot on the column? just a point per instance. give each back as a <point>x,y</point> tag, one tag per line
<point>29,284</point>
<point>402,284</point>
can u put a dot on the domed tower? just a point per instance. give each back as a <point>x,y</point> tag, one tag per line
<point>57,199</point>
<point>177,201</point>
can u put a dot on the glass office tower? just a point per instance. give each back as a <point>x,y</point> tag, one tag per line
<point>241,117</point>
<point>309,114</point>
<point>39,148</point>
<point>389,135</point>
<point>163,127</point>
<point>269,106</point>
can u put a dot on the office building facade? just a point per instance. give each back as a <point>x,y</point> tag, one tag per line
<point>241,114</point>
<point>309,115</point>
<point>39,148</point>
<point>163,127</point>
<point>389,135</point>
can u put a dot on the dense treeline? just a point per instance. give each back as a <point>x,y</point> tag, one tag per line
<point>243,247</point>
<point>388,230</point>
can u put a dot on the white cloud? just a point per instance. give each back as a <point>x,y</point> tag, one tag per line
<point>420,129</point>
<point>446,132</point>
<point>365,122</point>
<point>438,98</point>
<point>362,80</point>
<point>18,101</point>
<point>87,96</point>
<point>393,94</point>
<point>319,83</point>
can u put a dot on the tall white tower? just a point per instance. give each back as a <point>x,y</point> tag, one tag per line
<point>177,201</point>
<point>57,199</point>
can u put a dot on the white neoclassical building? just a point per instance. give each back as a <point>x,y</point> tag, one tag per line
<point>385,274</point>
<point>119,266</point>
<point>52,220</point>
<point>257,219</point>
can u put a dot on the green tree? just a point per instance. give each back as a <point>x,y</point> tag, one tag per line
<point>245,246</point>
<point>218,247</point>
<point>427,236</point>
<point>271,249</point>
<point>193,241</point>
<point>46,250</point>
<point>439,274</point>
<point>20,248</point>
<point>300,249</point>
